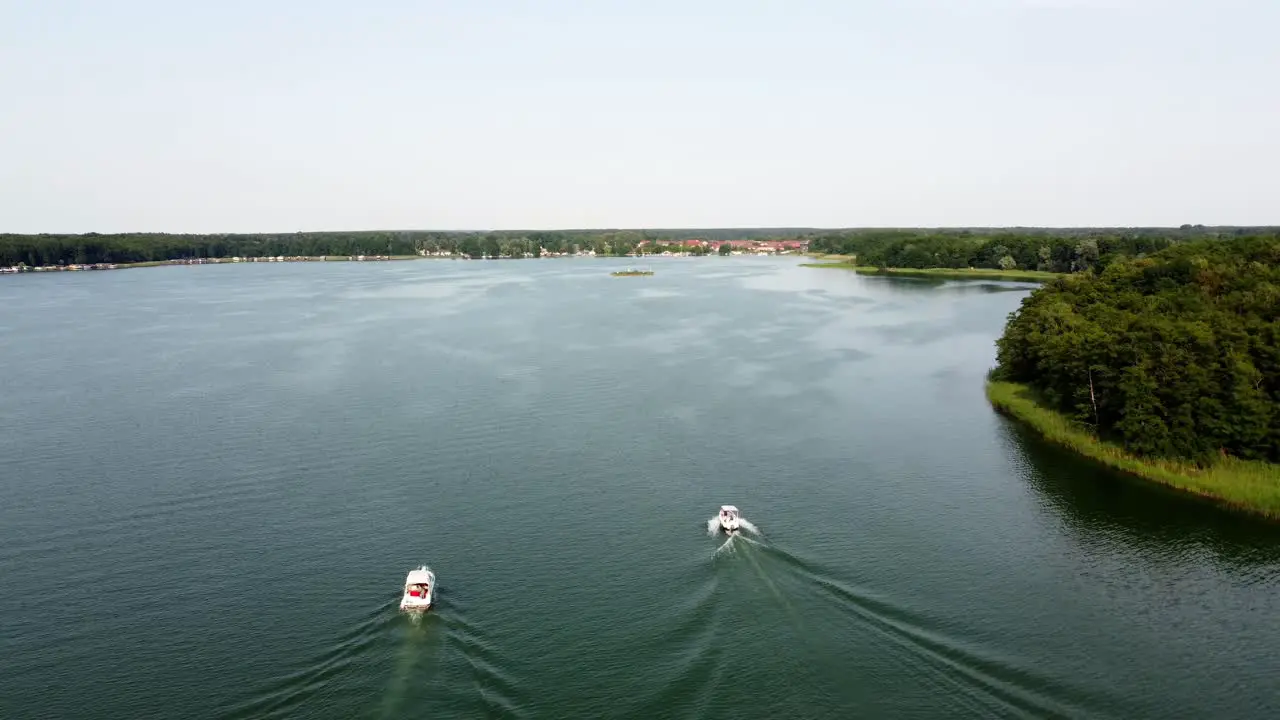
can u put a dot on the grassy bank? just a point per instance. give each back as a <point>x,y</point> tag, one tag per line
<point>944,273</point>
<point>149,263</point>
<point>1245,485</point>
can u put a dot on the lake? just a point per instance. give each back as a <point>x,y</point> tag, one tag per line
<point>214,479</point>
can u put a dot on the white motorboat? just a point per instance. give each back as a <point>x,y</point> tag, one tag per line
<point>729,518</point>
<point>419,589</point>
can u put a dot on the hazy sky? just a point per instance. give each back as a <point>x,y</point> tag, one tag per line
<point>229,115</point>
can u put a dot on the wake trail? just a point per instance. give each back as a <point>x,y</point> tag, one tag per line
<point>753,551</point>
<point>879,617</point>
<point>408,656</point>
<point>984,682</point>
<point>749,544</point>
<point>497,691</point>
<point>284,695</point>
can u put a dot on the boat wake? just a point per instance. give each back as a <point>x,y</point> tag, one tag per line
<point>462,664</point>
<point>737,540</point>
<point>726,547</point>
<point>935,652</point>
<point>292,693</point>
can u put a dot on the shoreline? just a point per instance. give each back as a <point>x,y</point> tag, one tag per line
<point>96,267</point>
<point>1250,486</point>
<point>1036,276</point>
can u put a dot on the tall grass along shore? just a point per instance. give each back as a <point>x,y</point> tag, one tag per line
<point>1251,486</point>
<point>944,273</point>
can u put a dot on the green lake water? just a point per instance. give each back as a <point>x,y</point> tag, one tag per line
<point>214,479</point>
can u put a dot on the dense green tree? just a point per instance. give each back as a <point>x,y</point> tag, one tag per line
<point>33,250</point>
<point>1172,355</point>
<point>1054,250</point>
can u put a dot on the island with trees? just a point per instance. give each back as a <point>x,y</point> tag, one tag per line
<point>1165,366</point>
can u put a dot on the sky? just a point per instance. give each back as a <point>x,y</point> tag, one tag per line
<point>284,115</point>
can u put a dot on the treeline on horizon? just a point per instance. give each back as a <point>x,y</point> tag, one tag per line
<point>1058,249</point>
<point>1175,355</point>
<point>88,248</point>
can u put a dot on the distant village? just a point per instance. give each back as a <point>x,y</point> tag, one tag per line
<point>739,247</point>
<point>678,248</point>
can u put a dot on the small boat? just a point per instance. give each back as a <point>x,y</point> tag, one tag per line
<point>729,518</point>
<point>419,589</point>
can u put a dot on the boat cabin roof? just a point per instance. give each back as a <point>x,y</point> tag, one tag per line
<point>729,508</point>
<point>419,577</point>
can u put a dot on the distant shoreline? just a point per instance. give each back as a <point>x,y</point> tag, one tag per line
<point>1036,276</point>
<point>1244,485</point>
<point>94,267</point>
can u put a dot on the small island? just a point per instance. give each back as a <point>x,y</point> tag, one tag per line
<point>629,272</point>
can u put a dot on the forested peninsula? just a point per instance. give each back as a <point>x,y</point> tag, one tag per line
<point>1166,366</point>
<point>1049,250</point>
